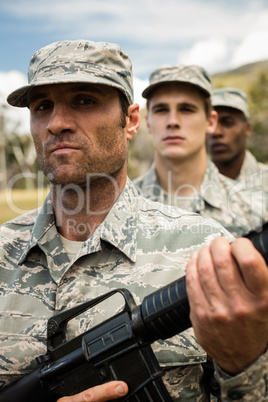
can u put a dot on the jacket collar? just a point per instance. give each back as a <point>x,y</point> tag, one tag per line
<point>210,192</point>
<point>119,229</point>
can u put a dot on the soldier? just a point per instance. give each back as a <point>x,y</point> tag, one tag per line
<point>227,144</point>
<point>179,114</point>
<point>95,233</point>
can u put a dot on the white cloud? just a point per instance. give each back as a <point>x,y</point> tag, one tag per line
<point>252,48</point>
<point>217,35</point>
<point>219,55</point>
<point>152,32</point>
<point>10,81</point>
<point>147,20</point>
<point>15,119</point>
<point>209,54</point>
<point>139,86</point>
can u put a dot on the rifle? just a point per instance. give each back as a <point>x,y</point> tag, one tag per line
<point>117,349</point>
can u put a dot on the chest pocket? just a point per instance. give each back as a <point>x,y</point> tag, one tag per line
<point>181,349</point>
<point>23,336</point>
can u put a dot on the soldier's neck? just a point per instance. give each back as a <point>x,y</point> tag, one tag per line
<point>79,211</point>
<point>181,176</point>
<point>231,168</point>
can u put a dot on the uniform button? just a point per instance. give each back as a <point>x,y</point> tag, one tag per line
<point>235,394</point>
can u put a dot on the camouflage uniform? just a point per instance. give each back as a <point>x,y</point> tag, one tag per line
<point>253,180</point>
<point>253,177</point>
<point>141,246</point>
<point>217,198</point>
<point>251,166</point>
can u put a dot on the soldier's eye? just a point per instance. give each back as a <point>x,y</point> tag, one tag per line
<point>86,101</point>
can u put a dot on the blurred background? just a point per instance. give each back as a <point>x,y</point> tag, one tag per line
<point>228,38</point>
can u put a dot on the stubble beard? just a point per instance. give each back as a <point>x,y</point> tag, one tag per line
<point>108,159</point>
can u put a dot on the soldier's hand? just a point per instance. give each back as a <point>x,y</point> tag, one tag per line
<point>227,286</point>
<point>100,393</point>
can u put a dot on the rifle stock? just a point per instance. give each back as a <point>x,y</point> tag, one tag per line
<point>108,351</point>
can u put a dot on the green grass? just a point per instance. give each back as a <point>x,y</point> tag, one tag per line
<point>18,202</point>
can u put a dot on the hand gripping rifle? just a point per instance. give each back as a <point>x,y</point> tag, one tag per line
<point>117,349</point>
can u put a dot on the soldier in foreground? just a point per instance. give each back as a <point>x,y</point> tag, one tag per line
<point>95,233</point>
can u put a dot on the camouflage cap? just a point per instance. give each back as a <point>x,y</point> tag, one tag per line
<point>230,97</point>
<point>194,75</point>
<point>77,61</point>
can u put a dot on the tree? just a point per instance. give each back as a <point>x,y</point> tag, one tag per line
<point>258,100</point>
<point>17,153</point>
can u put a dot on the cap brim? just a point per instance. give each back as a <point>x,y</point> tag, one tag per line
<point>19,97</point>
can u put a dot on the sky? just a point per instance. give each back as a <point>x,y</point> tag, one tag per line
<point>216,34</point>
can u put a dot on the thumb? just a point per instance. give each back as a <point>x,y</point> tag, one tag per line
<point>99,393</point>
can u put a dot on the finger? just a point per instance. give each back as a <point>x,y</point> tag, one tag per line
<point>252,265</point>
<point>197,299</point>
<point>226,268</point>
<point>203,293</point>
<point>100,393</point>
<point>192,281</point>
<point>208,276</point>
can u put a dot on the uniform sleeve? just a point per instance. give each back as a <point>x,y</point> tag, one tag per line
<point>250,385</point>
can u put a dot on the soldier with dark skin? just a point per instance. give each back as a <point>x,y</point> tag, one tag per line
<point>227,145</point>
<point>81,131</point>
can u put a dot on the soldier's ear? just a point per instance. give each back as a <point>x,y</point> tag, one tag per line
<point>133,121</point>
<point>248,129</point>
<point>212,122</point>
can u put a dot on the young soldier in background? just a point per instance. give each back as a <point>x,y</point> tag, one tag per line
<point>179,114</point>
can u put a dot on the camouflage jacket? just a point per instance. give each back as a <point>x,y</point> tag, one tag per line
<point>218,197</point>
<point>251,166</point>
<point>141,245</point>
<point>253,180</point>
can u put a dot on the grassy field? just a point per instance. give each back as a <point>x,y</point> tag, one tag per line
<point>18,202</point>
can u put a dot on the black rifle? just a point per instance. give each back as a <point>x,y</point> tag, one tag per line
<point>117,349</point>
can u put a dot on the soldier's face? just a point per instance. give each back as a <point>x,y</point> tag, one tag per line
<point>78,129</point>
<point>229,139</point>
<point>177,121</point>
